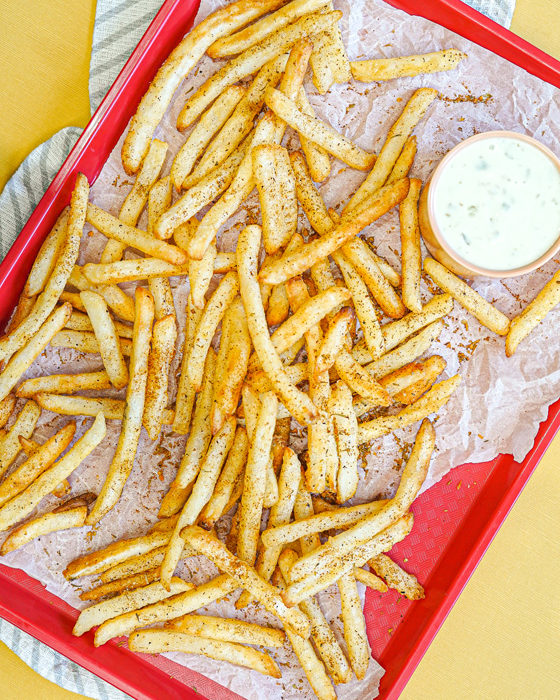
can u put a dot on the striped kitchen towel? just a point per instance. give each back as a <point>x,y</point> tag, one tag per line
<point>119,25</point>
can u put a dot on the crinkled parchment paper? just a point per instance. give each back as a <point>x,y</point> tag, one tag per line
<point>497,408</point>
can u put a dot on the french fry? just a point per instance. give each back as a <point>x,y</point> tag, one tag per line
<point>158,641</point>
<point>404,162</point>
<point>278,306</point>
<point>225,629</point>
<point>304,257</point>
<point>166,609</point>
<point>74,299</point>
<point>200,274</point>
<point>128,601</point>
<point>413,112</point>
<point>125,453</point>
<point>246,577</point>
<point>360,380</point>
<point>197,197</point>
<point>135,565</point>
<point>229,476</point>
<point>117,299</point>
<point>107,338</point>
<point>533,314</point>
<point>292,80</point>
<point>24,358</point>
<point>224,262</point>
<point>324,638</point>
<point>184,400</point>
<point>36,463</point>
<point>208,126</point>
<point>21,505</point>
<point>406,584</point>
<point>346,431</point>
<point>211,316</point>
<point>179,63</point>
<point>329,60</point>
<point>432,367</point>
<point>254,485</point>
<point>7,406</point>
<point>406,66</point>
<point>228,390</point>
<point>110,226</point>
<point>263,28</point>
<point>43,525</point>
<point>131,270</point>
<point>251,60</point>
<point>334,340</point>
<point>46,257</point>
<point>411,255</point>
<point>370,580</point>
<point>318,131</point>
<point>81,322</point>
<point>23,426</point>
<point>354,624</point>
<point>160,198</point>
<point>164,335</point>
<point>484,311</point>
<point>197,443</point>
<point>304,588</point>
<point>318,160</point>
<point>200,495</point>
<point>84,341</point>
<point>105,590</point>
<point>240,124</point>
<point>21,312</point>
<point>298,403</point>
<point>277,194</point>
<point>44,306</point>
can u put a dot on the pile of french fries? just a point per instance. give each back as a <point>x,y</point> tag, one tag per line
<point>291,333</point>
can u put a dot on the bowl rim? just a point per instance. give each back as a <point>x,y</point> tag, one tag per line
<point>436,175</point>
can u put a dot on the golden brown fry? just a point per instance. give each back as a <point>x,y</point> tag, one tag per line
<point>23,426</point>
<point>346,431</point>
<point>46,257</point>
<point>135,565</point>
<point>160,198</point>
<point>484,311</point>
<point>406,66</point>
<point>533,314</point>
<point>411,255</point>
<point>85,342</point>
<point>278,306</point>
<point>29,327</point>
<point>414,110</point>
<point>334,340</point>
<point>131,270</point>
<point>318,160</point>
<point>226,629</point>
<point>404,162</point>
<point>178,65</point>
<point>360,380</point>
<point>63,383</point>
<point>399,579</point>
<point>157,641</point>
<point>164,335</point>
<point>318,131</point>
<point>354,624</point>
<point>7,406</point>
<point>120,585</point>
<point>81,322</point>
<point>370,580</point>
<point>201,272</point>
<point>21,312</point>
<point>43,525</point>
<point>184,401</point>
<point>432,367</point>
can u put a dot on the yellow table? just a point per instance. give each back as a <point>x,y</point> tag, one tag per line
<point>502,639</point>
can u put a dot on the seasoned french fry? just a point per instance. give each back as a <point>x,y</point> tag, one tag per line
<point>36,463</point>
<point>147,175</point>
<point>246,576</point>
<point>533,314</point>
<point>360,380</point>
<point>21,505</point>
<point>117,299</point>
<point>292,80</point>
<point>131,270</point>
<point>43,308</point>
<point>211,317</point>
<point>184,400</point>
<point>484,311</point>
<point>251,60</point>
<point>334,340</point>
<point>120,585</point>
<point>7,406</point>
<point>304,257</point>
<point>43,525</point>
<point>240,124</point>
<point>81,322</point>
<point>406,584</point>
<point>414,110</point>
<point>21,312</point>
<point>159,201</point>
<point>107,338</point>
<point>83,341</point>
<point>411,391</point>
<point>403,164</point>
<point>354,624</point>
<point>298,403</point>
<point>133,600</point>
<point>209,124</point>
<point>164,335</point>
<point>180,62</point>
<point>318,160</point>
<point>158,641</point>
<point>318,131</point>
<point>125,453</point>
<point>24,358</point>
<point>303,588</point>
<point>370,580</point>
<point>329,60</point>
<point>225,629</point>
<point>200,274</point>
<point>113,228</point>
<point>166,609</point>
<point>74,299</point>
<point>159,287</point>
<point>406,66</point>
<point>46,257</point>
<point>136,565</point>
<point>278,306</point>
<point>23,426</point>
<point>276,187</point>
<point>200,495</point>
<point>411,255</point>
<point>346,431</point>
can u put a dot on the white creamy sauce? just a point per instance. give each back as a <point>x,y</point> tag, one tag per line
<point>497,203</point>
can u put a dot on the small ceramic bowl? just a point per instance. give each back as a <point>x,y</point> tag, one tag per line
<point>435,241</point>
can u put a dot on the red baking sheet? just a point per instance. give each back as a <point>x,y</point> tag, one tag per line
<point>455,520</point>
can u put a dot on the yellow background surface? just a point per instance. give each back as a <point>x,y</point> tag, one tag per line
<point>502,639</point>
